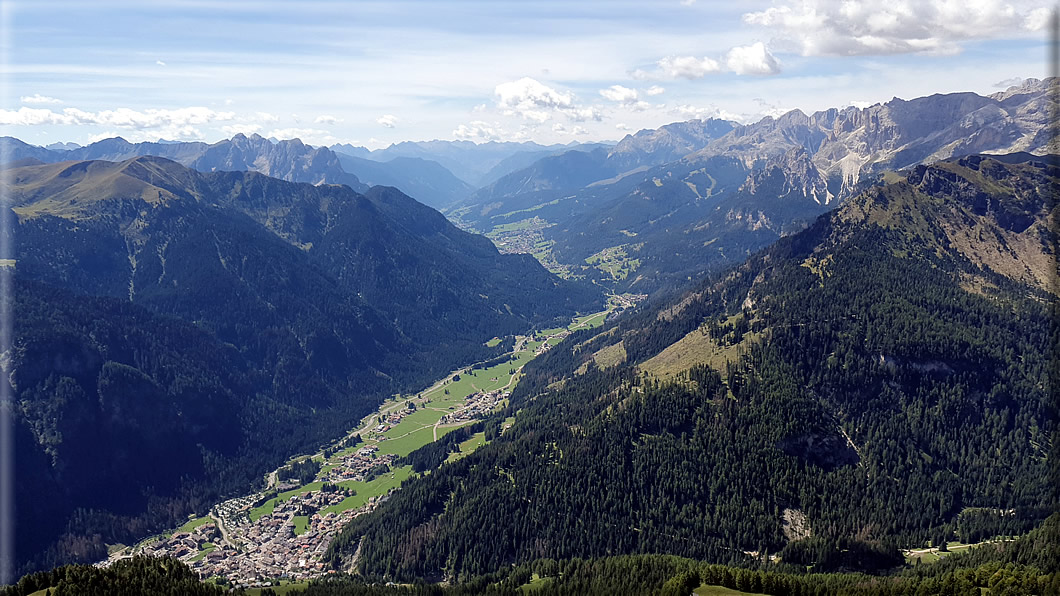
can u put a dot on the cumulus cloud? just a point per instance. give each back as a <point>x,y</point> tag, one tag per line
<point>534,101</point>
<point>626,97</point>
<point>478,131</point>
<point>687,67</point>
<point>531,99</point>
<point>753,59</point>
<point>327,119</point>
<point>266,117</point>
<point>563,130</point>
<point>860,27</point>
<point>387,120</point>
<point>121,117</point>
<point>38,98</point>
<point>160,63</point>
<point>654,90</point>
<point>622,126</point>
<point>619,93</point>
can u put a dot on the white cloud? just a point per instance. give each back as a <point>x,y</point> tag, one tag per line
<point>620,94</point>
<point>327,119</point>
<point>563,130</point>
<point>687,67</point>
<point>160,63</point>
<point>478,131</point>
<point>622,126</point>
<point>687,2</point>
<point>689,111</point>
<point>229,101</point>
<point>585,114</point>
<point>626,97</point>
<point>120,117</point>
<point>654,90</point>
<point>246,128</point>
<point>479,108</point>
<point>537,102</point>
<point>306,135</point>
<point>858,27</point>
<point>266,117</point>
<point>387,120</point>
<point>38,98</point>
<point>1011,82</point>
<point>753,59</point>
<point>531,99</point>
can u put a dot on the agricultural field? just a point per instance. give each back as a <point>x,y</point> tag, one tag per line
<point>616,261</point>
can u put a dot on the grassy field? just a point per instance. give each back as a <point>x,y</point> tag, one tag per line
<point>366,490</point>
<point>195,523</point>
<point>615,261</point>
<point>477,440</point>
<point>496,341</point>
<point>695,348</point>
<point>205,550</point>
<point>301,522</point>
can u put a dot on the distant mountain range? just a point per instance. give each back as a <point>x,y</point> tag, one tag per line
<point>477,164</point>
<point>291,160</point>
<point>180,332</point>
<point>739,187</point>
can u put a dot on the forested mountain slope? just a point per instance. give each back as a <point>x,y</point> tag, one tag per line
<point>180,332</point>
<point>876,380</point>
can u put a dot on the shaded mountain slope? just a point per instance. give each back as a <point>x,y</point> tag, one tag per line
<point>317,301</point>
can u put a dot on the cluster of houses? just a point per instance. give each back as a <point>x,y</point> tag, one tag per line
<point>183,544</point>
<point>270,547</point>
<point>251,553</point>
<point>357,465</point>
<point>476,406</point>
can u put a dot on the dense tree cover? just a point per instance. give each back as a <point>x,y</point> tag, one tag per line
<point>180,334</point>
<point>1028,565</point>
<point>138,576</point>
<point>304,471</point>
<point>883,399</point>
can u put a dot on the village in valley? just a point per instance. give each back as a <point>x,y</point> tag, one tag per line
<point>283,532</point>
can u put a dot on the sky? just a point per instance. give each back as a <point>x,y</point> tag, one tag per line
<point>373,73</point>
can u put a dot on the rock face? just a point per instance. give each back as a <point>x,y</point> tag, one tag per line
<point>849,143</point>
<point>290,160</point>
<point>667,143</point>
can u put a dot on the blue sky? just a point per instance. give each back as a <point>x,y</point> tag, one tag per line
<point>373,73</point>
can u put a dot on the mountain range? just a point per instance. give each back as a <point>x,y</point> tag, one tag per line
<point>738,189</point>
<point>180,332</point>
<point>873,380</point>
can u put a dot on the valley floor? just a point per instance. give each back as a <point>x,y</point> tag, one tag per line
<point>283,531</point>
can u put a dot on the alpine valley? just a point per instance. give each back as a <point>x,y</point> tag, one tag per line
<point>812,354</point>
